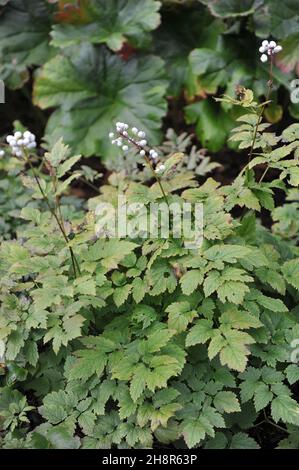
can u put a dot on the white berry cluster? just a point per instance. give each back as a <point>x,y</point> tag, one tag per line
<point>135,137</point>
<point>269,48</point>
<point>19,141</point>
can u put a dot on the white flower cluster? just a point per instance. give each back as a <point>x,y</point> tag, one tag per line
<point>19,141</point>
<point>269,48</point>
<point>133,136</point>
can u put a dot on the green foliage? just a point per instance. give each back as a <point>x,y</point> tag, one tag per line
<point>88,110</point>
<point>110,342</point>
<point>125,20</point>
<point>95,60</point>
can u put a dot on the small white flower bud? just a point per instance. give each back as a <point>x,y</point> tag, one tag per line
<point>119,143</point>
<point>111,135</point>
<point>141,134</point>
<point>262,49</point>
<point>143,142</point>
<point>2,153</point>
<point>17,135</point>
<point>125,148</point>
<point>19,153</point>
<point>154,157</point>
<point>272,44</point>
<point>160,168</point>
<point>125,133</point>
<point>9,138</point>
<point>13,142</point>
<point>120,126</point>
<point>264,58</point>
<point>135,130</point>
<point>142,153</point>
<point>32,145</point>
<point>20,142</point>
<point>277,49</point>
<point>27,134</point>
<point>265,43</point>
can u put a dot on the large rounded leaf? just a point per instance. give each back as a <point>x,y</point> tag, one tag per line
<point>288,59</point>
<point>110,22</point>
<point>229,8</point>
<point>276,18</point>
<point>24,34</point>
<point>96,88</point>
<point>178,35</point>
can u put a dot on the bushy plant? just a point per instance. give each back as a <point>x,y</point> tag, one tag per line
<point>16,196</point>
<point>92,60</point>
<point>127,342</point>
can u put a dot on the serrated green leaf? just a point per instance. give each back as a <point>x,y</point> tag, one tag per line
<point>67,165</point>
<point>262,396</point>
<point>159,339</point>
<point>121,21</point>
<point>180,315</point>
<point>121,294</point>
<point>138,382</point>
<point>138,289</point>
<point>88,362</point>
<point>242,441</point>
<point>190,281</point>
<point>194,430</point>
<point>290,270</point>
<point>239,319</point>
<point>235,353</point>
<point>85,116</point>
<point>292,373</point>
<point>227,401</point>
<point>227,253</point>
<point>200,332</point>
<point>286,409</point>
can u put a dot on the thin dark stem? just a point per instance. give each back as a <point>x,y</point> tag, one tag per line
<point>264,174</point>
<point>45,197</point>
<point>58,209</point>
<point>157,178</point>
<point>273,424</point>
<point>147,159</point>
<point>260,115</point>
<point>85,181</point>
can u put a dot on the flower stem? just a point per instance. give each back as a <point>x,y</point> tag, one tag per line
<point>273,424</point>
<point>157,178</point>
<point>147,159</point>
<point>264,174</point>
<point>60,225</point>
<point>260,115</point>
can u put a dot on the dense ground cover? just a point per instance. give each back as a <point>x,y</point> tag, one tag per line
<point>146,342</point>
